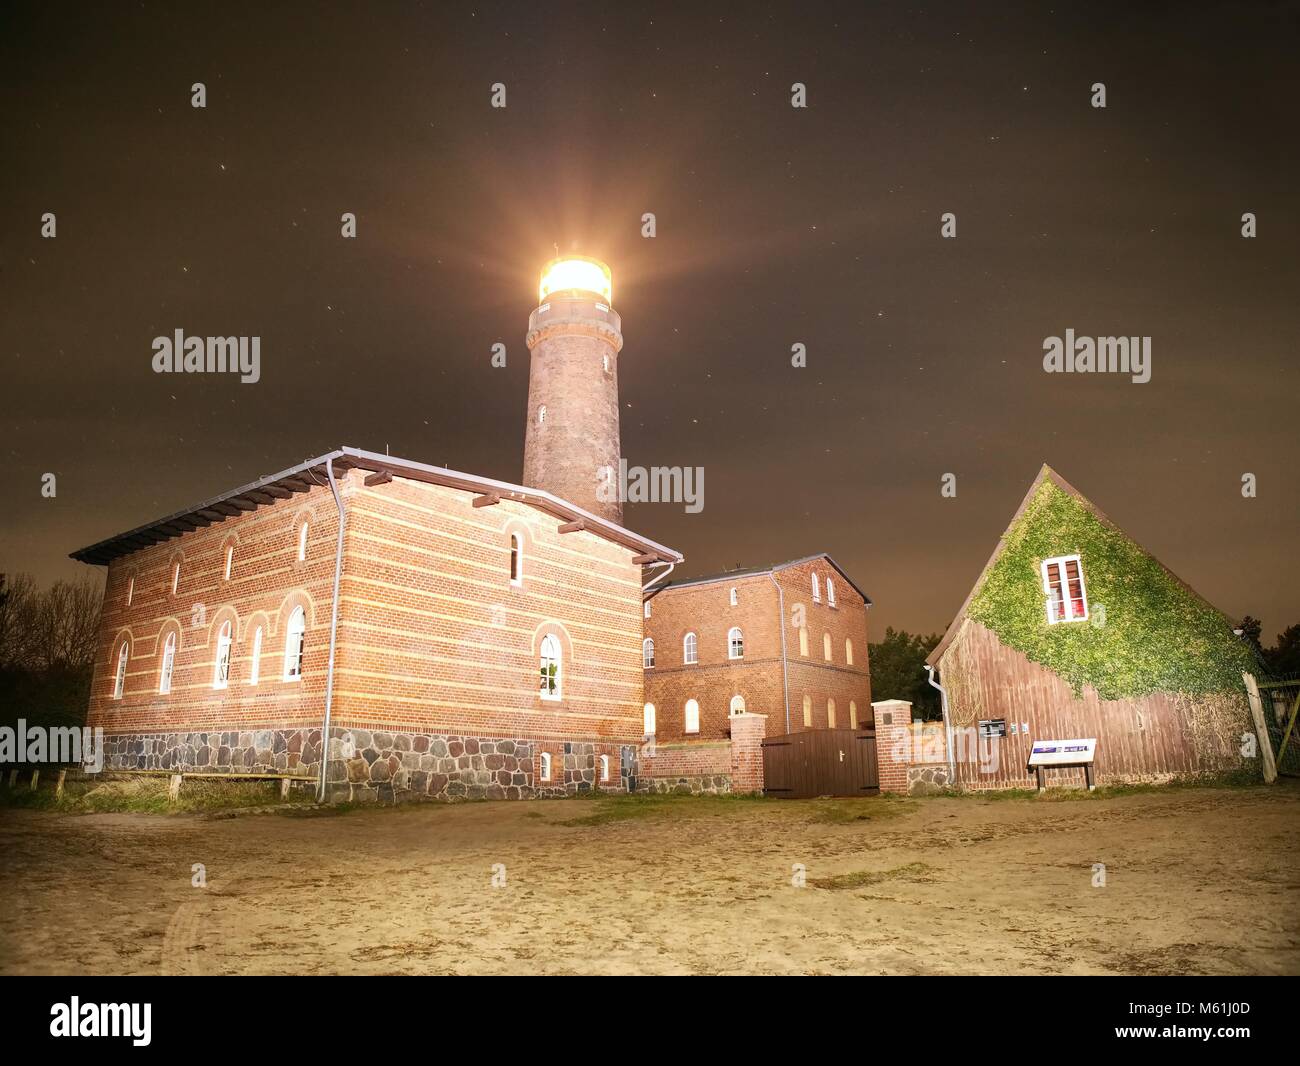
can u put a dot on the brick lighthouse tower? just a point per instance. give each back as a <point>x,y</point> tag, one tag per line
<point>571,448</point>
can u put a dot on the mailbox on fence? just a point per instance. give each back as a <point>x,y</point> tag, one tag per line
<point>1063,754</point>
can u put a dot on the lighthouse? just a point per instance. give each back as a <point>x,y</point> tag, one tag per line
<point>571,448</point>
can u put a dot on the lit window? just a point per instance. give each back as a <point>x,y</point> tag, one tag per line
<point>647,653</point>
<point>516,559</point>
<point>648,715</point>
<point>733,597</point>
<point>830,714</point>
<point>255,667</point>
<point>803,640</point>
<point>550,667</point>
<point>848,651</point>
<point>826,646</point>
<point>168,665</point>
<point>302,542</point>
<point>646,609</point>
<point>130,590</point>
<point>737,704</point>
<point>853,714</point>
<point>221,670</point>
<point>176,577</point>
<point>1067,599</point>
<point>546,765</point>
<point>604,767</point>
<point>830,592</point>
<point>691,723</point>
<point>230,559</point>
<point>119,679</point>
<point>807,712</point>
<point>690,649</point>
<point>735,643</point>
<point>293,644</point>
<point>541,414</point>
<point>817,589</point>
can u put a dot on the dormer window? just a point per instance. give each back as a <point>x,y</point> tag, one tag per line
<point>1067,597</point>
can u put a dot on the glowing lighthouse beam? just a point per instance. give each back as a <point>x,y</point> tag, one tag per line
<point>576,272</point>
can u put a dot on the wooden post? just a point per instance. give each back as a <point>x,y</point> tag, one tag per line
<point>1042,784</point>
<point>284,788</point>
<point>36,776</point>
<point>1261,729</point>
<point>58,788</point>
<point>174,789</point>
<point>1087,774</point>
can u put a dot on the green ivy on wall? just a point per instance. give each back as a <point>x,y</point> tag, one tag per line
<point>1157,635</point>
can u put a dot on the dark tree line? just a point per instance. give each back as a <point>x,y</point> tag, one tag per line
<point>898,671</point>
<point>47,648</point>
<point>1282,660</point>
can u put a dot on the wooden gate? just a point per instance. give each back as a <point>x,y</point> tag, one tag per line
<point>821,762</point>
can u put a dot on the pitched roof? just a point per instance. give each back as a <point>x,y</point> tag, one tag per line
<point>759,571</point>
<point>1045,474</point>
<point>301,478</point>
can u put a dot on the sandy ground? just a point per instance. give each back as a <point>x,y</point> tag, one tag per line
<point>1197,881</point>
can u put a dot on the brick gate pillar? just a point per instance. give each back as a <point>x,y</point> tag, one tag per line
<point>893,743</point>
<point>747,732</point>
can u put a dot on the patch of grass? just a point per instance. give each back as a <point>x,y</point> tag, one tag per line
<point>915,872</point>
<point>1230,779</point>
<point>622,808</point>
<point>848,811</point>
<point>144,795</point>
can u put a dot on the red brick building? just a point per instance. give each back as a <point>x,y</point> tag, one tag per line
<point>787,641</point>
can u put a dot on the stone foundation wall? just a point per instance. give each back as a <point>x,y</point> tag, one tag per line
<point>287,750</point>
<point>713,785</point>
<point>929,780</point>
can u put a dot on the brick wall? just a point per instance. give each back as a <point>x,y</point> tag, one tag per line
<point>912,757</point>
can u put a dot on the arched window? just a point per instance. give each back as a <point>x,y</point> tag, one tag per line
<point>691,722</point>
<point>690,649</point>
<point>826,646</point>
<point>176,576</point>
<point>647,653</point>
<point>830,714</point>
<point>221,668</point>
<point>817,589</point>
<point>803,641</point>
<point>830,592</point>
<point>546,765</point>
<point>646,611</point>
<point>168,665</point>
<point>848,650</point>
<point>604,362</point>
<point>853,714</point>
<point>735,643</point>
<point>807,712</point>
<point>516,559</point>
<point>255,667</point>
<point>737,704</point>
<point>294,638</point>
<point>302,542</point>
<point>604,767</point>
<point>551,667</point>
<point>733,598</point>
<point>230,561</point>
<point>648,714</point>
<point>541,414</point>
<point>119,678</point>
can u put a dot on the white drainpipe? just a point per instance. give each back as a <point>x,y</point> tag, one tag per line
<point>334,633</point>
<point>947,724</point>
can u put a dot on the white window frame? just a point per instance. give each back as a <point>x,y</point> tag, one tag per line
<point>1067,602</point>
<point>648,719</point>
<point>130,590</point>
<point>690,650</point>
<point>604,767</point>
<point>550,652</point>
<point>737,705</point>
<point>293,656</point>
<point>735,643</point>
<point>516,559</point>
<point>830,592</point>
<point>541,415</point>
<point>817,589</point>
<point>302,541</point>
<point>646,609</point>
<point>544,769</point>
<point>255,667</point>
<point>691,716</point>
<point>168,665</point>
<point>119,676</point>
<point>648,653</point>
<point>176,577</point>
<point>221,663</point>
<point>230,562</point>
<point>734,600</point>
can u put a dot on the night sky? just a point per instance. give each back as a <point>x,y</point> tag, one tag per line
<point>775,226</point>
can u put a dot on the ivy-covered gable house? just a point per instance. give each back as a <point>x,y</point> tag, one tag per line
<point>1073,630</point>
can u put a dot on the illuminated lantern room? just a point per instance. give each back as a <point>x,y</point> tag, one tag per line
<point>577,274</point>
